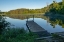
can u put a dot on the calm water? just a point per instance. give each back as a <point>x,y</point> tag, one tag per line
<point>51,24</point>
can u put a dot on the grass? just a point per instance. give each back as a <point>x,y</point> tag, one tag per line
<point>16,35</point>
<point>20,35</point>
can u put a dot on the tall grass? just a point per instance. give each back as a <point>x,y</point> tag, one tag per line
<point>16,35</point>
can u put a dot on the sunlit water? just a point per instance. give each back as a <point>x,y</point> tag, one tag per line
<point>19,23</point>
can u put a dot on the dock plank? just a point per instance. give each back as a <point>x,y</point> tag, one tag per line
<point>34,27</point>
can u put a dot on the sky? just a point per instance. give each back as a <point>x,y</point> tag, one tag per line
<point>6,5</point>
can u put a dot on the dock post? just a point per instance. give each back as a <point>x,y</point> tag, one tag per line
<point>33,17</point>
<point>27,19</point>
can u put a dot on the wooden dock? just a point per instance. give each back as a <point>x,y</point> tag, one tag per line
<point>35,28</point>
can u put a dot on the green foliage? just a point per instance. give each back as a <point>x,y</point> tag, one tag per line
<point>3,24</point>
<point>57,7</point>
<point>56,36</point>
<point>2,12</point>
<point>16,35</point>
<point>26,11</point>
<point>54,7</point>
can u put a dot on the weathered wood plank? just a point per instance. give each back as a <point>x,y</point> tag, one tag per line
<point>35,28</point>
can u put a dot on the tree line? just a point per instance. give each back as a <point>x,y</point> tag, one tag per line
<point>55,7</point>
<point>26,11</point>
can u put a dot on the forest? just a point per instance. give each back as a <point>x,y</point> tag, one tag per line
<point>55,7</point>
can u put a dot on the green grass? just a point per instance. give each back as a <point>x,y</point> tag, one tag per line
<point>16,35</point>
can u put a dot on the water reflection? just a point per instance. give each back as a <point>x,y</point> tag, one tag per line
<point>16,16</point>
<point>49,23</point>
<point>56,20</point>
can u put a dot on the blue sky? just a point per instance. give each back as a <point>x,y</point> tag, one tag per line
<point>6,5</point>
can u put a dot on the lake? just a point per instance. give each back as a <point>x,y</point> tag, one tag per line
<point>51,24</point>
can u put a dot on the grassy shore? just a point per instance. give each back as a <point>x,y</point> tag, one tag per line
<point>16,35</point>
<point>20,35</point>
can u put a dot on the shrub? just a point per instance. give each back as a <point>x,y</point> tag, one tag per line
<point>16,35</point>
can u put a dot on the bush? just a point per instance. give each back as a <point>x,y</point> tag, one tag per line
<point>16,35</point>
